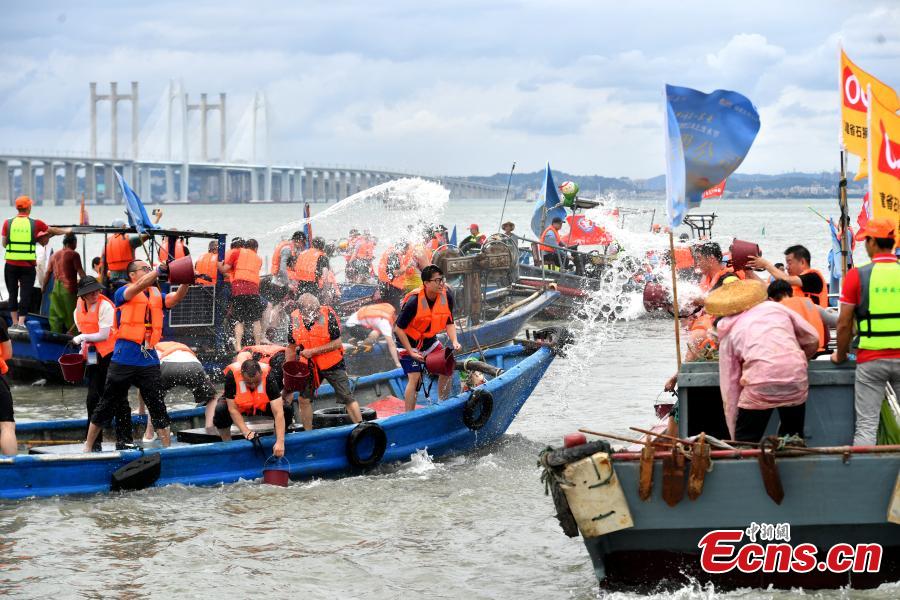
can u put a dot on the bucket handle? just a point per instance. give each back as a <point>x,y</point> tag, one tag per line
<point>277,464</point>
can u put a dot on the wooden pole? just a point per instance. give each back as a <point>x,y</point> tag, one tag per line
<point>845,217</point>
<point>675,309</point>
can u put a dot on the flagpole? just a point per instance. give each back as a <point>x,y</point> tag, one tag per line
<point>506,195</point>
<point>675,308</point>
<point>845,217</point>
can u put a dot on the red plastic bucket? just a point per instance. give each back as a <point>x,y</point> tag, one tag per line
<point>296,375</point>
<point>440,361</point>
<point>277,472</point>
<point>181,271</point>
<point>574,439</point>
<point>656,297</point>
<point>72,366</point>
<point>741,251</point>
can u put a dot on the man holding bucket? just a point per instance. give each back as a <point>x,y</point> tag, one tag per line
<point>316,332</point>
<point>140,307</point>
<point>250,389</point>
<point>426,312</point>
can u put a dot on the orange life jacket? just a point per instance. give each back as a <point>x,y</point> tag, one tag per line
<point>305,265</point>
<point>265,351</point>
<point>206,265</point>
<point>378,311</point>
<point>806,309</point>
<point>708,283</point>
<point>404,272</point>
<point>88,321</point>
<point>247,266</point>
<point>276,256</point>
<point>363,250</point>
<point>118,252</point>
<point>239,359</point>
<point>317,336</point>
<point>429,320</point>
<point>141,318</point>
<point>250,401</point>
<point>821,298</point>
<point>163,253</point>
<point>683,258</point>
<point>556,240</point>
<point>166,348</point>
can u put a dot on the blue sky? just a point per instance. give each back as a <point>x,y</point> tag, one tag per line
<point>454,88</point>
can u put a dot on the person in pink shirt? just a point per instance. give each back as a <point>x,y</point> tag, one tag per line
<point>764,349</point>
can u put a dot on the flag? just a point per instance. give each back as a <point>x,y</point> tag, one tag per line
<point>134,208</point>
<point>884,160</point>
<point>854,102</point>
<point>707,138</point>
<point>548,205</point>
<point>307,227</point>
<point>715,191</point>
<point>865,212</point>
<point>452,240</point>
<point>584,231</point>
<point>83,217</point>
<point>834,258</point>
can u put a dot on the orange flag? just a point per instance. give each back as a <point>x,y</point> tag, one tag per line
<point>884,158</point>
<point>854,102</point>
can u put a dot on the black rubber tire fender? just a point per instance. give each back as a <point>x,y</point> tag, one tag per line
<point>563,512</point>
<point>360,434</point>
<point>137,474</point>
<point>336,416</point>
<point>478,409</point>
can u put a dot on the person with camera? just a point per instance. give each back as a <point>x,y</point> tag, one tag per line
<point>140,307</point>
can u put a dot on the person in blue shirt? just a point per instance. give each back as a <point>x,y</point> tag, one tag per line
<point>139,316</point>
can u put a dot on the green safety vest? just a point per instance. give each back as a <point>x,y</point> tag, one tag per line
<point>878,313</point>
<point>21,245</point>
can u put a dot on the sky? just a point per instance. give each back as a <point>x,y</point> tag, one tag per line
<point>442,88</point>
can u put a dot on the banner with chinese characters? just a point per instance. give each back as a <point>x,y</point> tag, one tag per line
<point>854,103</point>
<point>884,161</point>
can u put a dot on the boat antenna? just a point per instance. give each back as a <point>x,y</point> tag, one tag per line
<point>506,195</point>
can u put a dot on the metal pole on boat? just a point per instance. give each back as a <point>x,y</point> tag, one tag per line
<point>845,218</point>
<point>506,195</point>
<point>675,308</point>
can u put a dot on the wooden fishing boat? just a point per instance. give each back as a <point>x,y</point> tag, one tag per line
<point>640,532</point>
<point>465,421</point>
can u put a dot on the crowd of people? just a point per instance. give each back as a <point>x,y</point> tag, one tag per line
<point>116,315</point>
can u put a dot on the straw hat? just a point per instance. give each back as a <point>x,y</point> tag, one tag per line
<point>735,297</point>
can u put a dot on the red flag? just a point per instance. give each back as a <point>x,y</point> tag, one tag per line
<point>865,212</point>
<point>584,231</point>
<point>715,191</point>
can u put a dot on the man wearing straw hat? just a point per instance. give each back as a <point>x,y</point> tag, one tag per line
<point>763,352</point>
<point>871,296</point>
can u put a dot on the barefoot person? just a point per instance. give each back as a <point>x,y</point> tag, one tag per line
<point>315,335</point>
<point>427,311</point>
<point>135,362</point>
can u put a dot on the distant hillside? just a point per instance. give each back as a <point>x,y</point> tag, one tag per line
<point>787,185</point>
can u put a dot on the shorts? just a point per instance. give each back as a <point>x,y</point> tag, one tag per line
<point>246,309</point>
<point>190,375</point>
<point>339,380</point>
<point>6,403</point>
<point>273,291</point>
<point>410,365</point>
<point>379,324</point>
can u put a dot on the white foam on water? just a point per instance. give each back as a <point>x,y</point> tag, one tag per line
<point>420,462</point>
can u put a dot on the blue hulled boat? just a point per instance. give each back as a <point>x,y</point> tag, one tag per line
<point>639,531</point>
<point>465,421</point>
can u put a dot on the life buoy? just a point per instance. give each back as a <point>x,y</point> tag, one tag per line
<point>366,435</point>
<point>478,409</point>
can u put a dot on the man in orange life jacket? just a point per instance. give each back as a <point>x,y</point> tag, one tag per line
<point>376,320</point>
<point>285,256</point>
<point>552,256</point>
<point>311,268</point>
<point>805,280</point>
<point>135,362</point>
<point>396,267</point>
<point>120,248</point>
<point>95,316</point>
<point>207,266</point>
<point>180,367</point>
<point>359,261</point>
<point>246,304</point>
<point>782,292</point>
<point>426,312</point>
<point>315,335</point>
<point>251,389</point>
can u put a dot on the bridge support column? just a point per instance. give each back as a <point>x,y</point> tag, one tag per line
<point>223,186</point>
<point>5,195</point>
<point>185,182</point>
<point>308,195</point>
<point>69,183</point>
<point>27,178</point>
<point>143,176</point>
<point>319,195</point>
<point>90,182</point>
<point>254,185</point>
<point>50,188</point>
<point>170,184</point>
<point>285,186</point>
<point>268,185</point>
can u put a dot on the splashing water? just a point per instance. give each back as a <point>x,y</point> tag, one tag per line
<point>396,211</point>
<point>420,462</point>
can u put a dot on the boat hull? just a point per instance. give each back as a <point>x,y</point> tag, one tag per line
<point>436,428</point>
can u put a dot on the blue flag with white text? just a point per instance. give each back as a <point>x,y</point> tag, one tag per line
<point>548,205</point>
<point>134,208</point>
<point>708,137</point>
